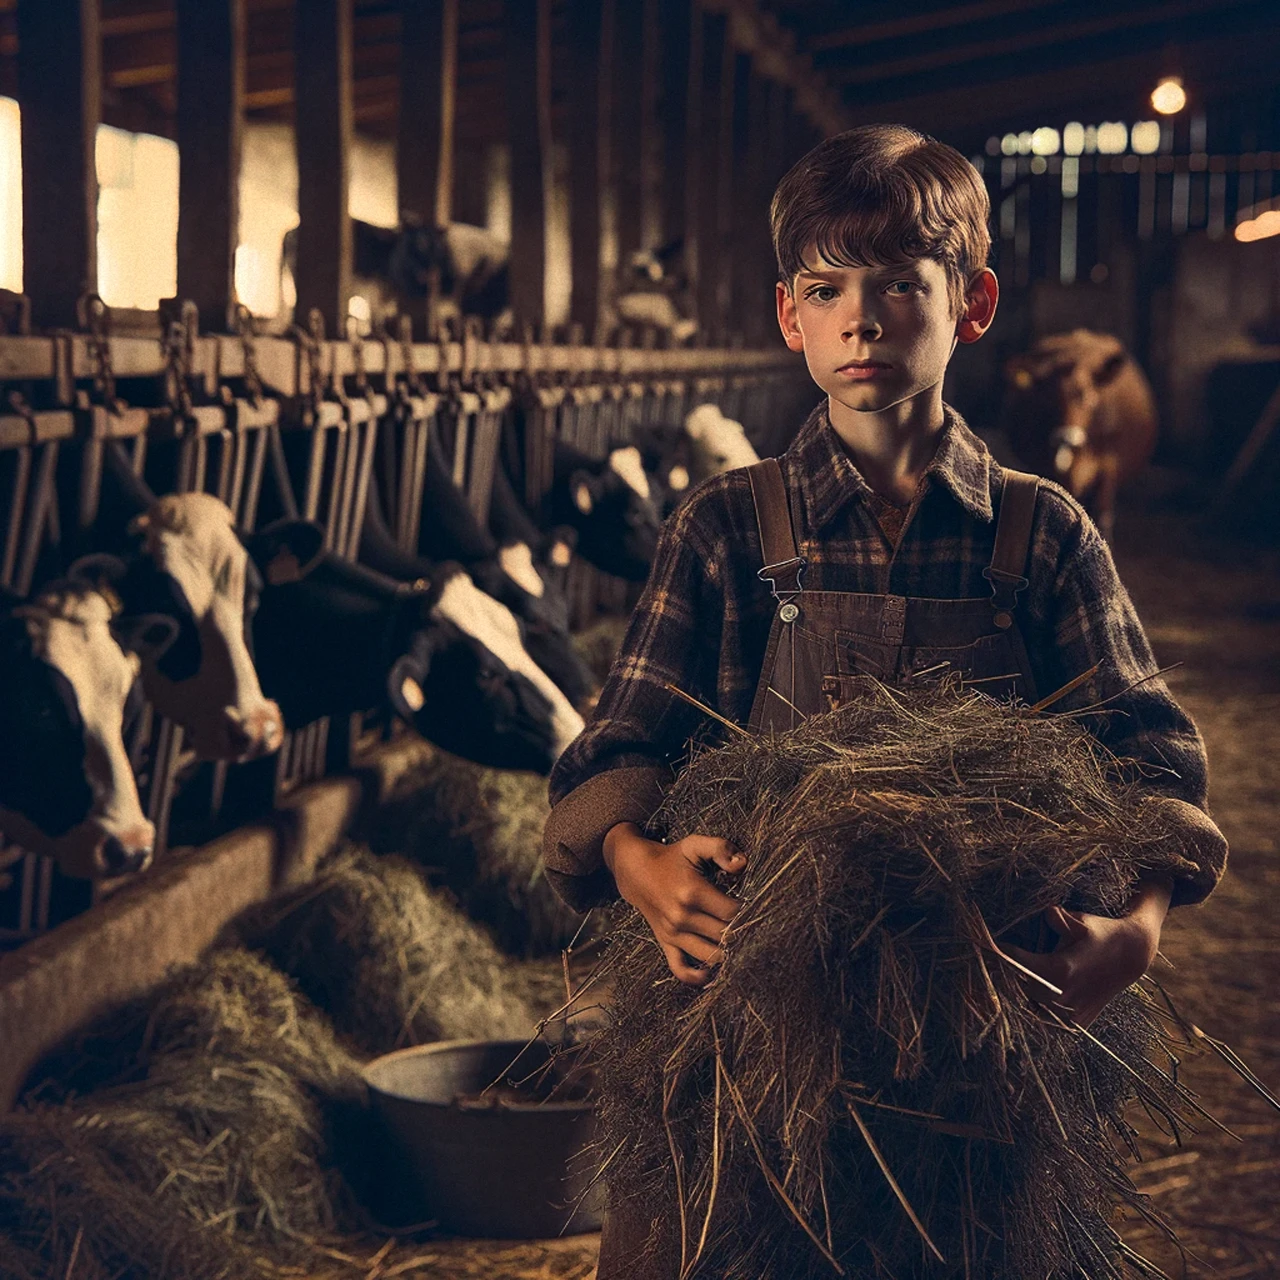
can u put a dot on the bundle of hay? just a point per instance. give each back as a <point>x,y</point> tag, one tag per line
<point>212,1156</point>
<point>393,962</point>
<point>866,1088</point>
<point>478,831</point>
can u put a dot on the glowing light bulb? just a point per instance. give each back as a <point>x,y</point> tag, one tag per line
<point>1169,97</point>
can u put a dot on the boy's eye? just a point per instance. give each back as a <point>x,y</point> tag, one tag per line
<point>902,288</point>
<point>820,293</point>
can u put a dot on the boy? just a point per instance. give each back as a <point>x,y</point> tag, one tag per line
<point>885,541</point>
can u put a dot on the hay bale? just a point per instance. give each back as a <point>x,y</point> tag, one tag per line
<point>478,832</point>
<point>212,1155</point>
<point>393,962</point>
<point>863,1024</point>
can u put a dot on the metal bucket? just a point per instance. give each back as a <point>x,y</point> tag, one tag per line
<point>486,1161</point>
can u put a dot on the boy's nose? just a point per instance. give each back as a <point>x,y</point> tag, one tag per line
<point>862,327</point>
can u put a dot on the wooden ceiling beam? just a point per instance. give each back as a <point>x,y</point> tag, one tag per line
<point>915,24</point>
<point>1043,35</point>
<point>965,117</point>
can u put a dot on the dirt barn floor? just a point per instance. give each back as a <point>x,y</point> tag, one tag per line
<point>1212,604</point>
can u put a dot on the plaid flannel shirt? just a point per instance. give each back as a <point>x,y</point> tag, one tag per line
<point>703,621</point>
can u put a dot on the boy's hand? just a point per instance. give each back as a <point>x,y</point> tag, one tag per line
<point>1098,957</point>
<point>665,883</point>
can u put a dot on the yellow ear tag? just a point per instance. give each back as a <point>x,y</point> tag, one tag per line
<point>1023,379</point>
<point>411,692</point>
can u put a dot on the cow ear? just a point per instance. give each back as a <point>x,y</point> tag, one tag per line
<point>582,491</point>
<point>406,681</point>
<point>1109,369</point>
<point>98,570</point>
<point>287,550</point>
<point>149,635</point>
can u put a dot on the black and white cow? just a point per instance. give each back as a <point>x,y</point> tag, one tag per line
<point>609,504</point>
<point>395,266</point>
<point>67,688</point>
<point>505,569</point>
<point>654,293</point>
<point>716,443</point>
<point>185,560</point>
<point>337,637</point>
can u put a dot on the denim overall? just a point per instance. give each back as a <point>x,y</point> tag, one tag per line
<point>821,641</point>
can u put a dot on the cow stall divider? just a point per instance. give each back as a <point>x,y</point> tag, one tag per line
<point>302,425</point>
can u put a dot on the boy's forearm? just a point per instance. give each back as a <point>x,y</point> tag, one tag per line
<point>574,837</point>
<point>609,846</point>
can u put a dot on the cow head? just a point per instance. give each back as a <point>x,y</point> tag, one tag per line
<point>194,569</point>
<point>66,691</point>
<point>718,443</point>
<point>458,694</point>
<point>612,508</point>
<point>1063,379</point>
<point>488,623</point>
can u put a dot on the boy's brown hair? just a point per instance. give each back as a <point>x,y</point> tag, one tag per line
<point>882,194</point>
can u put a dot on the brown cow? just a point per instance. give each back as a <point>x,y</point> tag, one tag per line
<point>1080,411</point>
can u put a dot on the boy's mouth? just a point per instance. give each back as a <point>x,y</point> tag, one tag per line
<point>863,370</point>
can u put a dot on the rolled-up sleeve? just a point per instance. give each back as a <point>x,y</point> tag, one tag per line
<point>1091,622</point>
<point>617,769</point>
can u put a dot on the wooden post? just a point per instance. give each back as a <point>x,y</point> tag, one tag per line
<point>428,97</point>
<point>715,152</point>
<point>752,251</point>
<point>651,176</point>
<point>528,66</point>
<point>211,71</point>
<point>628,122</point>
<point>694,184</point>
<point>60,91</point>
<point>324,123</point>
<point>589,27</point>
<point>675,31</point>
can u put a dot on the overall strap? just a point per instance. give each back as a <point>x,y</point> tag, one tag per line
<point>1008,568</point>
<point>783,566</point>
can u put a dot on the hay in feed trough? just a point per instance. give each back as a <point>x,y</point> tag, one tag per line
<point>393,962</point>
<point>866,1082</point>
<point>204,1129</point>
<point>210,1156</point>
<point>478,831</point>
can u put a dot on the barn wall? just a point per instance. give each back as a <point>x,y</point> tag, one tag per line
<point>1225,306</point>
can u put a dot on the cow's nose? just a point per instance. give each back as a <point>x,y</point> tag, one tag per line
<point>255,733</point>
<point>128,853</point>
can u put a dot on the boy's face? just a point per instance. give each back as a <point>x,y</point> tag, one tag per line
<point>875,336</point>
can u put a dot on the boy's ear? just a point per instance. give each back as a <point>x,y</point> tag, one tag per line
<point>787,322</point>
<point>980,300</point>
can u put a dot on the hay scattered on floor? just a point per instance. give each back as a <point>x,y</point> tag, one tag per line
<point>394,963</point>
<point>478,832</point>
<point>866,1054</point>
<point>218,1155</point>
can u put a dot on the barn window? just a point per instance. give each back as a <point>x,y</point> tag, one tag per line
<point>10,197</point>
<point>137,218</point>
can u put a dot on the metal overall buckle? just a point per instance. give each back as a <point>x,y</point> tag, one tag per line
<point>784,579</point>
<point>1005,588</point>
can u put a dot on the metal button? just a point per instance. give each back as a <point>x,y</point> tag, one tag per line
<point>1003,620</point>
<point>788,612</point>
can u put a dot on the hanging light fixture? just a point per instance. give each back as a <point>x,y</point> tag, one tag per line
<point>1169,97</point>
